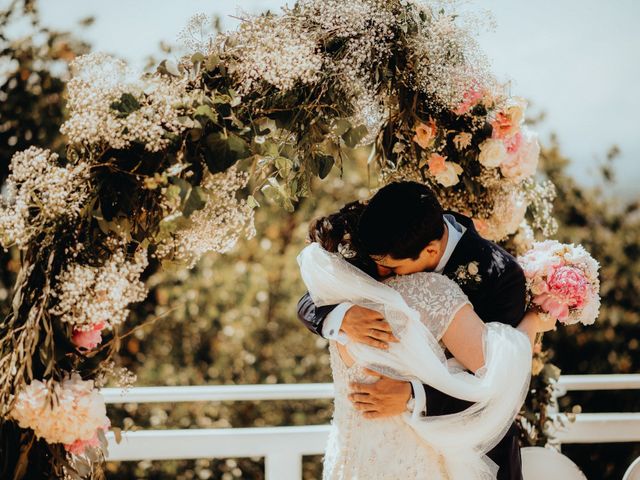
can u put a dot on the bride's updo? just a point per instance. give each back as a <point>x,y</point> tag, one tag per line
<point>338,233</point>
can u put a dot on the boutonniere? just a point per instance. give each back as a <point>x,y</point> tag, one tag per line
<point>468,274</point>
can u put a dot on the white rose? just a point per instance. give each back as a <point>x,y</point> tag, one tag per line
<point>524,162</point>
<point>473,268</point>
<point>449,177</point>
<point>492,153</point>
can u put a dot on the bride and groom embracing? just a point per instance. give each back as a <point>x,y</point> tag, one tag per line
<point>430,340</point>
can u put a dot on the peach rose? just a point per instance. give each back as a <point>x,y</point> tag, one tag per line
<point>425,134</point>
<point>507,122</point>
<point>437,164</point>
<point>445,173</point>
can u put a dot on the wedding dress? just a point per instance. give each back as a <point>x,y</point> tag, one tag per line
<point>419,309</point>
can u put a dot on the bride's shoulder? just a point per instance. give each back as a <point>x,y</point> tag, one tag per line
<point>419,279</point>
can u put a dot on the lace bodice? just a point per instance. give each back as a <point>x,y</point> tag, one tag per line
<point>388,448</point>
<point>436,298</point>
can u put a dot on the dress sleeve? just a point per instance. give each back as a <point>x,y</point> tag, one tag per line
<point>436,298</point>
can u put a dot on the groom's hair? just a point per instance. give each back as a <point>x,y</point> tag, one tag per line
<point>400,220</point>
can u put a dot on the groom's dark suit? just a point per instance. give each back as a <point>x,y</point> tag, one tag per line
<point>499,296</point>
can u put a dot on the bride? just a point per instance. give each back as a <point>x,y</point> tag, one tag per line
<point>420,308</point>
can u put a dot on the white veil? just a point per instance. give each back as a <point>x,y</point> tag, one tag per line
<point>497,390</point>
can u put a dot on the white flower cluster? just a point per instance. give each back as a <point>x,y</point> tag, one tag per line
<point>78,410</point>
<point>90,295</point>
<point>506,216</point>
<point>448,59</point>
<point>38,192</point>
<point>149,111</point>
<point>218,226</point>
<point>272,50</point>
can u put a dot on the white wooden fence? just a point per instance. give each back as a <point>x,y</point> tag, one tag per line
<point>283,447</point>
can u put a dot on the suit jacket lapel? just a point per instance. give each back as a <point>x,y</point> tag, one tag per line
<point>464,251</point>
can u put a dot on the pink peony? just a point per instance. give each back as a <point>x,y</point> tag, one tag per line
<point>88,339</point>
<point>570,283</point>
<point>565,288</point>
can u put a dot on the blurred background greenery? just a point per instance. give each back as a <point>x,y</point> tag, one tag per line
<point>232,319</point>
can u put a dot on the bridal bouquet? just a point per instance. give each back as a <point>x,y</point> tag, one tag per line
<point>563,281</point>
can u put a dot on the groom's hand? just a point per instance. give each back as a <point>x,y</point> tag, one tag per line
<point>385,398</point>
<point>363,325</point>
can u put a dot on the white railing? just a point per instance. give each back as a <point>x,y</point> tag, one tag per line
<point>283,447</point>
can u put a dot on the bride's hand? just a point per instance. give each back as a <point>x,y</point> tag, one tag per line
<point>363,325</point>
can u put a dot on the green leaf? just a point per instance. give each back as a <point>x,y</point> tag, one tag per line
<point>321,165</point>
<point>284,166</point>
<point>341,126</point>
<point>252,202</point>
<point>206,111</point>
<point>212,62</point>
<point>197,57</point>
<point>126,105</point>
<point>196,200</point>
<point>168,67</point>
<point>222,151</point>
<point>353,136</point>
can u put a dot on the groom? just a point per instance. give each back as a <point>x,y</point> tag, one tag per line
<point>404,230</point>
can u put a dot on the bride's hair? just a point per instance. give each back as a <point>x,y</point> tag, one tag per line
<point>338,233</point>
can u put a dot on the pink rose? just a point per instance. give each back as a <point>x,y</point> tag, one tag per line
<point>78,447</point>
<point>523,162</point>
<point>513,144</point>
<point>88,339</point>
<point>469,99</point>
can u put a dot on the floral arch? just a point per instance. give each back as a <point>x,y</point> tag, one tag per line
<point>167,166</point>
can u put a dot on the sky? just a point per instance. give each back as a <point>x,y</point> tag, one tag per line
<point>578,61</point>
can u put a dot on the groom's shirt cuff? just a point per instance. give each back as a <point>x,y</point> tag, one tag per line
<point>333,324</point>
<point>418,404</point>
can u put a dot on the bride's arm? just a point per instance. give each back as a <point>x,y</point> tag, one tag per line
<point>464,337</point>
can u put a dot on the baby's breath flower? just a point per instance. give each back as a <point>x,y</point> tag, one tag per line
<point>149,111</point>
<point>87,295</point>
<point>273,50</point>
<point>218,226</point>
<point>40,191</point>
